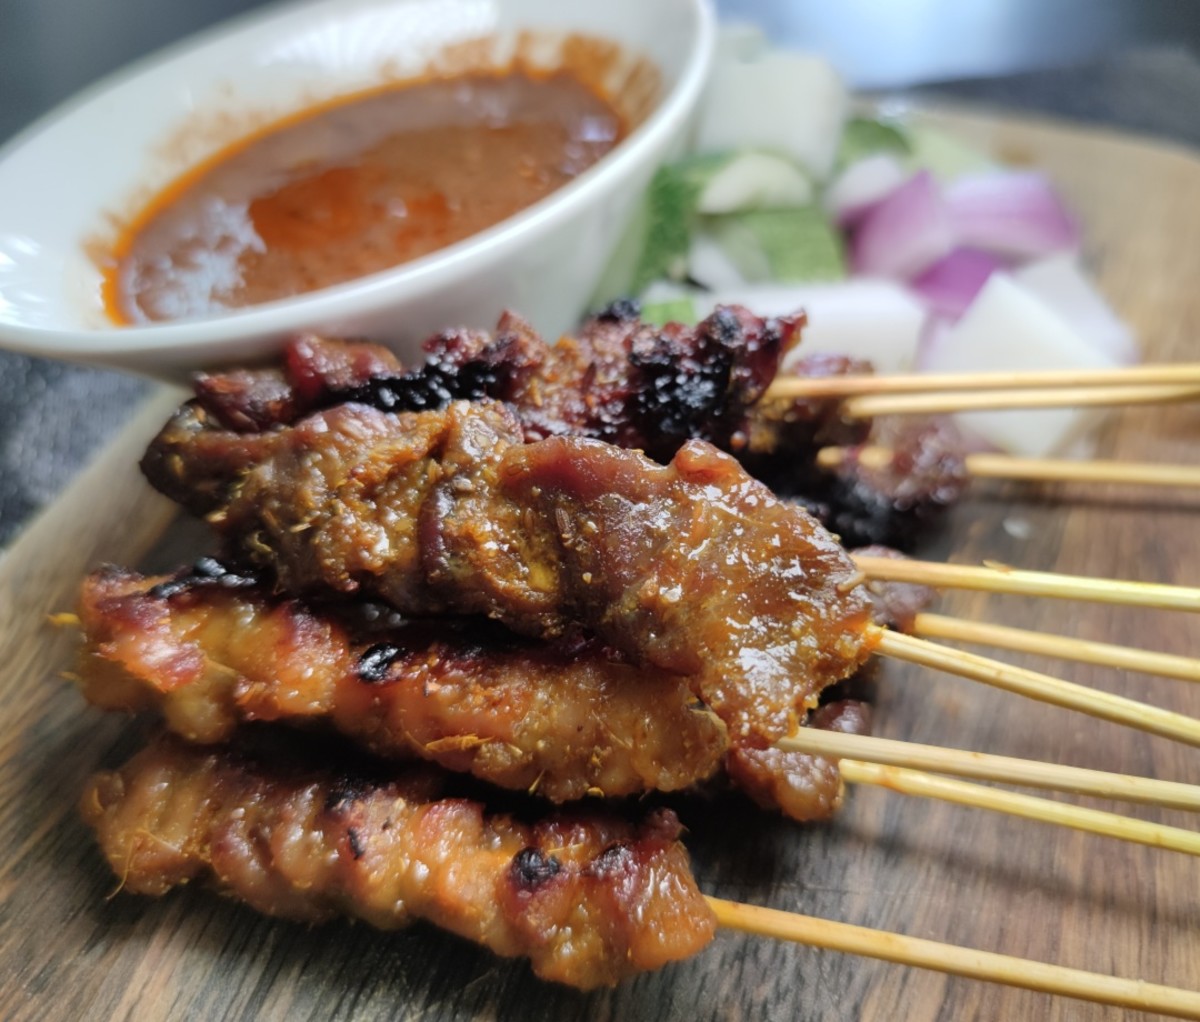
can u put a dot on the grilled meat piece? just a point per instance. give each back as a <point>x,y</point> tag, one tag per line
<point>693,568</point>
<point>863,504</point>
<point>253,400</point>
<point>317,367</point>
<point>621,380</point>
<point>564,719</point>
<point>247,400</point>
<point>799,785</point>
<point>588,898</point>
<point>640,387</point>
<point>898,503</point>
<point>785,434</point>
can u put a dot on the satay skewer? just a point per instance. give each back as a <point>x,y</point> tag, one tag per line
<point>574,496</point>
<point>954,960</point>
<point>1022,640</point>
<point>122,668</point>
<point>1004,466</point>
<point>286,683</point>
<point>490,878</point>
<point>869,406</point>
<point>995,577</point>
<point>1180,373</point>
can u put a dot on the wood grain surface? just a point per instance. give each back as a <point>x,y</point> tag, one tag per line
<point>72,949</point>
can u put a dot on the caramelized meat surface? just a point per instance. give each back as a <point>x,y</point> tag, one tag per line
<point>897,503</point>
<point>799,785</point>
<point>621,380</point>
<point>642,387</point>
<point>564,720</point>
<point>786,434</point>
<point>693,568</point>
<point>588,898</point>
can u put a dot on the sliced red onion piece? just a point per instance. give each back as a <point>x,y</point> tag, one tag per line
<point>952,283</point>
<point>904,234</point>
<point>862,185</point>
<point>1014,214</point>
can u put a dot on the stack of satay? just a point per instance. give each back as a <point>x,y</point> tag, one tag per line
<point>549,567</point>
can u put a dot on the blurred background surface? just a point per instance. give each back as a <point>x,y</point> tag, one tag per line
<point>49,49</point>
<point>1128,64</point>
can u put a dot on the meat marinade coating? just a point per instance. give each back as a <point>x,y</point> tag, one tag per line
<point>649,388</point>
<point>797,784</point>
<point>620,380</point>
<point>899,503</point>
<point>564,720</point>
<point>210,652</point>
<point>588,898</point>
<point>706,570</point>
<point>693,567</point>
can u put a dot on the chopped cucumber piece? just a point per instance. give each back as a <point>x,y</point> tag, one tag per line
<point>678,310</point>
<point>718,182</point>
<point>617,280</point>
<point>742,246</point>
<point>664,302</point>
<point>944,155</point>
<point>781,245</point>
<point>662,291</point>
<point>671,214</point>
<point>709,265</point>
<point>868,136</point>
<point>755,181</point>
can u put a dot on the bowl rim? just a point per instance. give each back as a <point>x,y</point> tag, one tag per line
<point>372,291</point>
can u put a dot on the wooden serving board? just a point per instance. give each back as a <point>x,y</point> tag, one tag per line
<point>72,949</point>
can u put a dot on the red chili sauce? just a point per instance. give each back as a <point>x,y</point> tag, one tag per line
<point>354,188</point>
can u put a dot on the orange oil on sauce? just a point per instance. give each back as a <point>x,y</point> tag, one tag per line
<point>354,187</point>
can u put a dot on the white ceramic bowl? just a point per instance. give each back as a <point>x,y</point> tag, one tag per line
<point>69,181</point>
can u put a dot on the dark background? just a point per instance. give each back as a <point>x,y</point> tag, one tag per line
<point>49,49</point>
<point>1130,64</point>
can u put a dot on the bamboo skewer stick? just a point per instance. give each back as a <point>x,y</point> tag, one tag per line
<point>868,406</point>
<point>1097,470</point>
<point>1041,687</point>
<point>983,766</point>
<point>1181,373</point>
<point>956,961</point>
<point>999,578</point>
<point>1003,466</point>
<point>1104,654</point>
<point>1029,807</point>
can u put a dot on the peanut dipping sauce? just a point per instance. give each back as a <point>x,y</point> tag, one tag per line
<point>355,187</point>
